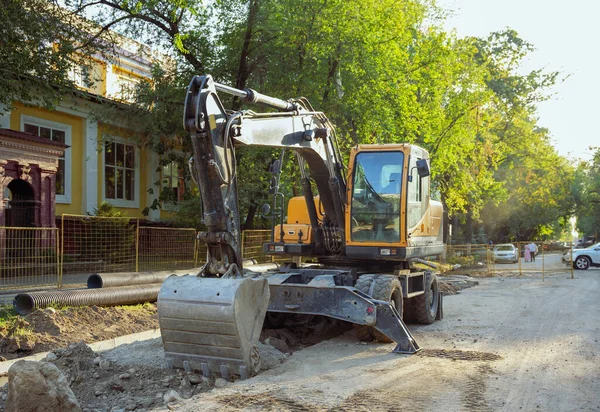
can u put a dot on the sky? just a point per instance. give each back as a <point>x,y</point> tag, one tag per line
<point>567,38</point>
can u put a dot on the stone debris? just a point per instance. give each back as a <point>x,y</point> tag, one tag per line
<point>278,344</point>
<point>172,396</point>
<point>220,383</point>
<point>39,386</point>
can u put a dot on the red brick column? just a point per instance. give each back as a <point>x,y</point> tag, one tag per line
<point>3,184</point>
<point>35,179</point>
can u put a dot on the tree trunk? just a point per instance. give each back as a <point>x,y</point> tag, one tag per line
<point>469,227</point>
<point>243,71</point>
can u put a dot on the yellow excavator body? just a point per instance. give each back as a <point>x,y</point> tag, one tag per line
<point>363,227</point>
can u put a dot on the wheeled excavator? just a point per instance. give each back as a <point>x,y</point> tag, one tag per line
<point>362,228</point>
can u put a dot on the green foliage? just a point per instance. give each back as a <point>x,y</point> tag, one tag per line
<point>462,260</point>
<point>40,44</point>
<point>107,236</point>
<point>189,214</point>
<point>7,313</point>
<point>106,209</point>
<point>586,190</point>
<point>380,79</point>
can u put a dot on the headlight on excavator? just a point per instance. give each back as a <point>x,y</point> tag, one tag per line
<point>276,248</point>
<point>388,252</point>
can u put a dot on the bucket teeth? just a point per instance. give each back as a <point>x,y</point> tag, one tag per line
<point>213,324</point>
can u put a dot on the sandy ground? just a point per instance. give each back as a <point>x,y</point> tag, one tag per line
<point>507,344</point>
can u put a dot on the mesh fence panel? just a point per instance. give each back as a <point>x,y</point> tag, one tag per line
<point>94,244</point>
<point>166,248</point>
<point>518,258</point>
<point>252,245</point>
<point>469,256</point>
<point>28,257</point>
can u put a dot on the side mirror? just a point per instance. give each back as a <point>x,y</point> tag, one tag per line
<point>423,168</point>
<point>265,209</point>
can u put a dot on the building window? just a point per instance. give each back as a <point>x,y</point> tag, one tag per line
<point>172,183</point>
<point>57,132</point>
<point>82,76</point>
<point>125,85</point>
<point>119,171</point>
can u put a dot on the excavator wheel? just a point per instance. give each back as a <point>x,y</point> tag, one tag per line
<point>381,287</point>
<point>364,333</point>
<point>388,289</point>
<point>424,307</point>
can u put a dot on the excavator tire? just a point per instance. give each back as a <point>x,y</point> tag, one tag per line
<point>381,287</point>
<point>364,333</point>
<point>212,325</point>
<point>388,289</point>
<point>424,307</point>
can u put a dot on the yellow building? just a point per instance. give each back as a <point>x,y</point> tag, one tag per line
<point>116,171</point>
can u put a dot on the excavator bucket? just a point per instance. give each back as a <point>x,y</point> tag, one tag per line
<point>212,325</point>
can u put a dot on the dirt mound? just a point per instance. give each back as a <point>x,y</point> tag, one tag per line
<point>300,331</point>
<point>447,288</point>
<point>48,329</point>
<point>453,284</point>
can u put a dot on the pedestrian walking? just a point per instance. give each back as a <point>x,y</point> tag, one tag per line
<point>527,253</point>
<point>533,248</point>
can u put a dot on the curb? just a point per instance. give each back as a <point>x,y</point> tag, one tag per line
<point>95,346</point>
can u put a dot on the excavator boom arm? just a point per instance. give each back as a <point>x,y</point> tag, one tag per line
<point>214,131</point>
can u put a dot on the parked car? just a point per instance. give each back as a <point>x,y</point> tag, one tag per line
<point>505,252</point>
<point>582,259</point>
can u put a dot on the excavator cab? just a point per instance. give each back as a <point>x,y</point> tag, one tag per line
<point>389,214</point>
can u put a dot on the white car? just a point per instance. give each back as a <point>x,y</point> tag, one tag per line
<point>582,259</point>
<point>505,252</point>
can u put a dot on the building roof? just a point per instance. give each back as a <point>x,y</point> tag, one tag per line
<point>31,138</point>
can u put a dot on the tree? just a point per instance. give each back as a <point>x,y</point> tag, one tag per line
<point>379,79</point>
<point>40,44</point>
<point>587,195</point>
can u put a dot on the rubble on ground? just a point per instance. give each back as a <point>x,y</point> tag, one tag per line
<point>39,387</point>
<point>130,377</point>
<point>453,284</point>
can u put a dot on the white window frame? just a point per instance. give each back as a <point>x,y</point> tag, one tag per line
<point>66,128</point>
<point>132,204</point>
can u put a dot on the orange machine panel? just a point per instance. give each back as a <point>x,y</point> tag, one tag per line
<point>297,211</point>
<point>292,233</point>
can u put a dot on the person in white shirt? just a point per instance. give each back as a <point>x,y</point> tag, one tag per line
<point>533,248</point>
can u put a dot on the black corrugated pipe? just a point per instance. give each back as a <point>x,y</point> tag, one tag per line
<point>111,280</point>
<point>25,303</point>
